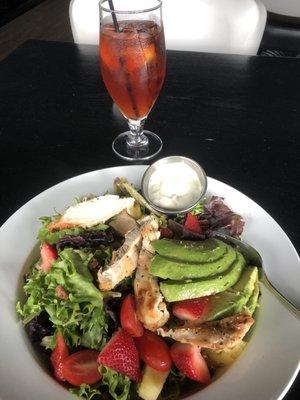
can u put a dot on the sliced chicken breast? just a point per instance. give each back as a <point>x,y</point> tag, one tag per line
<point>151,308</point>
<point>217,335</point>
<point>124,261</point>
<point>92,212</point>
<point>123,223</point>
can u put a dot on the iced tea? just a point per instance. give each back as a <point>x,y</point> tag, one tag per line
<point>133,65</point>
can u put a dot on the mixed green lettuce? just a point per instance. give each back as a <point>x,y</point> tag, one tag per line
<point>81,317</point>
<point>118,385</point>
<point>87,392</point>
<point>113,383</point>
<point>44,235</point>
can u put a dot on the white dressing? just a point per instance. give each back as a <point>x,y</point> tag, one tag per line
<point>174,186</point>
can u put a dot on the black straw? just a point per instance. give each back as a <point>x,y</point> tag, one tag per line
<point>111,5</point>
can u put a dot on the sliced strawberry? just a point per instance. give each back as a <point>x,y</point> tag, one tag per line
<point>191,310</point>
<point>166,233</point>
<point>189,361</point>
<point>81,368</point>
<point>154,351</point>
<point>192,223</point>
<point>121,354</point>
<point>128,318</point>
<point>48,255</point>
<point>58,355</point>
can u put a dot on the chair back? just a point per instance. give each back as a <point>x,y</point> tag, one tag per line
<point>216,26</point>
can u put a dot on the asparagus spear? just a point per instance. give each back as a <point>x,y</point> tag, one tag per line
<point>126,188</point>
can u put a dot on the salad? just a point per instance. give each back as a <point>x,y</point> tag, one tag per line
<point>125,302</point>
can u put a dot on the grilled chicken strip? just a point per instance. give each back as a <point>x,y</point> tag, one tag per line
<point>151,308</point>
<point>124,261</point>
<point>91,212</point>
<point>123,223</point>
<point>217,335</point>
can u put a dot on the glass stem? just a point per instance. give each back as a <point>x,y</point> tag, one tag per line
<point>136,137</point>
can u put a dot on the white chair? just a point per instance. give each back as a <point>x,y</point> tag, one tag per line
<point>216,26</point>
<point>219,26</point>
<point>85,21</point>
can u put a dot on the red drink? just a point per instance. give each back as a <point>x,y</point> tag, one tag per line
<point>133,65</point>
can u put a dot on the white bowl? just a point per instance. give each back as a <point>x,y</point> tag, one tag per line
<point>265,370</point>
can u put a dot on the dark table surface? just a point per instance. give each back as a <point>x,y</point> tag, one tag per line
<point>238,116</point>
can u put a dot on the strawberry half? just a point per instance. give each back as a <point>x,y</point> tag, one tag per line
<point>121,354</point>
<point>48,255</point>
<point>192,224</point>
<point>189,361</point>
<point>191,310</point>
<point>58,355</point>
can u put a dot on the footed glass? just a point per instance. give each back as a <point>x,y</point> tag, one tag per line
<point>133,66</point>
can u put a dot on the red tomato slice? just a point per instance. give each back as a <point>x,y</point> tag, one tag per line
<point>60,352</point>
<point>81,368</point>
<point>154,351</point>
<point>129,319</point>
<point>192,223</point>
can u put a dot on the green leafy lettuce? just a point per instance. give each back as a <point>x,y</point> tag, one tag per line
<point>86,392</point>
<point>103,255</point>
<point>44,235</point>
<point>176,385</point>
<point>196,210</point>
<point>81,317</point>
<point>118,385</point>
<point>112,384</point>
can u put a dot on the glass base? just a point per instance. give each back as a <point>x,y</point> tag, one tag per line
<point>122,149</point>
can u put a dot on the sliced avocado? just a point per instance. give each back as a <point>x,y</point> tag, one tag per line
<point>253,300</point>
<point>187,251</point>
<point>191,289</point>
<point>168,268</point>
<point>233,300</point>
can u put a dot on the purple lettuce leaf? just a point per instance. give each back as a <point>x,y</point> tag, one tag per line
<point>181,232</point>
<point>220,216</point>
<point>40,327</point>
<point>216,216</point>
<point>87,239</point>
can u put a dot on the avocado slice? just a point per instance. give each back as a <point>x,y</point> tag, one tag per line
<point>253,300</point>
<point>191,289</point>
<point>188,251</point>
<point>233,300</point>
<point>168,268</point>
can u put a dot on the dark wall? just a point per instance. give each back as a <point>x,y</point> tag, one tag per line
<point>6,5</point>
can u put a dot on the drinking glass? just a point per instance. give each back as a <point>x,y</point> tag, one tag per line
<point>133,65</point>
